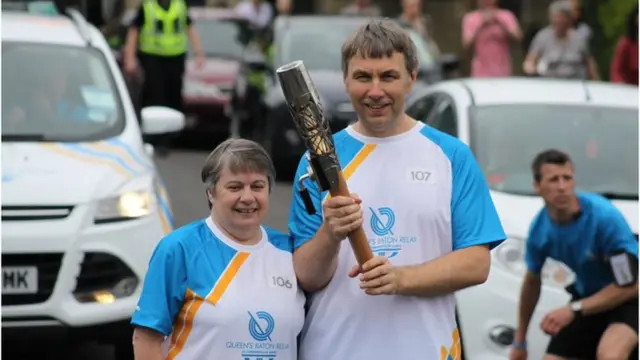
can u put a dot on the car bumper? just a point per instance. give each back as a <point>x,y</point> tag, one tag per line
<point>490,310</point>
<point>85,278</point>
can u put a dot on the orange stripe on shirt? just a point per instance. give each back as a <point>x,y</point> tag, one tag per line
<point>227,277</point>
<point>184,322</point>
<point>353,165</point>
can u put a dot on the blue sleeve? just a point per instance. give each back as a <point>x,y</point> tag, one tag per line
<point>164,288</point>
<point>474,218</point>
<point>302,226</point>
<point>534,255</point>
<point>616,235</point>
<point>279,240</point>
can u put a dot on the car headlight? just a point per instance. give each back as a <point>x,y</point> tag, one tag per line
<point>126,206</point>
<point>510,256</point>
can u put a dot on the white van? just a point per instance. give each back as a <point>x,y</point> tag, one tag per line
<point>83,205</point>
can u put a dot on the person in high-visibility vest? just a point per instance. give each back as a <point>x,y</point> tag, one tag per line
<point>158,39</point>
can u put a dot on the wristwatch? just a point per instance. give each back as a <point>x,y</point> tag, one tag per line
<point>576,307</point>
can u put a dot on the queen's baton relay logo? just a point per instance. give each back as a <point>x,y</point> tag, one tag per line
<point>387,241</point>
<point>261,326</point>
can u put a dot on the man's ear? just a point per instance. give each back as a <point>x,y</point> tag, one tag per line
<point>536,186</point>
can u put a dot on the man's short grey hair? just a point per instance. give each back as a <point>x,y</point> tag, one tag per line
<point>377,39</point>
<point>561,7</point>
<point>238,156</point>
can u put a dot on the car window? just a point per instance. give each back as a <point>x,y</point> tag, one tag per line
<point>421,109</point>
<point>224,38</point>
<point>55,92</point>
<point>318,44</point>
<point>602,142</point>
<point>444,118</point>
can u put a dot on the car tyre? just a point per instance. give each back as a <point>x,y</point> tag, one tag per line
<point>123,350</point>
<point>276,146</point>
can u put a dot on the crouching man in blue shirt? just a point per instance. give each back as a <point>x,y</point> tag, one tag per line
<point>590,235</point>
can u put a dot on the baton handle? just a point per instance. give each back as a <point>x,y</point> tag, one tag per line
<point>357,238</point>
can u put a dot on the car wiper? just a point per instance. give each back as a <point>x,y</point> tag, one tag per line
<point>619,196</point>
<point>23,137</point>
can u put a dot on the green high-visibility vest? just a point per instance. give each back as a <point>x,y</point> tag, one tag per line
<point>164,32</point>
<point>114,41</point>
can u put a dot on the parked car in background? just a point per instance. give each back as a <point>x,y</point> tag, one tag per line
<point>317,41</point>
<point>206,93</point>
<point>506,122</point>
<point>83,205</point>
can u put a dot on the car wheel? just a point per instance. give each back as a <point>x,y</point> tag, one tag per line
<point>123,350</point>
<point>277,147</point>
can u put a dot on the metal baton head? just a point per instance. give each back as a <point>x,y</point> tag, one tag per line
<point>305,108</point>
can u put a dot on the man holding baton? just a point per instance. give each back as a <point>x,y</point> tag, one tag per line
<point>423,204</point>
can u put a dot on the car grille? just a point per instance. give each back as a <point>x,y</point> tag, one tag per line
<point>33,213</point>
<point>48,267</point>
<point>100,271</point>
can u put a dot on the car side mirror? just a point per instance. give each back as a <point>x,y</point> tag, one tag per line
<point>161,120</point>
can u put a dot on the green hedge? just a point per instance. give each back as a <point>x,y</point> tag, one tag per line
<point>608,20</point>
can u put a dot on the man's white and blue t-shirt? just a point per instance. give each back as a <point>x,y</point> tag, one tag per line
<point>214,298</point>
<point>423,197</point>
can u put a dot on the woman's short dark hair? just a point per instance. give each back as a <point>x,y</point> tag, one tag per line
<point>237,155</point>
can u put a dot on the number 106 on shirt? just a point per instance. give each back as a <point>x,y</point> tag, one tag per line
<point>279,281</point>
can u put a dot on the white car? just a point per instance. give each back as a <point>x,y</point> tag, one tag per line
<point>83,205</point>
<point>506,122</point>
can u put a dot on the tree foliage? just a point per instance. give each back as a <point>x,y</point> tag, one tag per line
<point>608,20</point>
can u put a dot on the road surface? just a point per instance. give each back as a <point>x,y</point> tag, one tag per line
<point>181,173</point>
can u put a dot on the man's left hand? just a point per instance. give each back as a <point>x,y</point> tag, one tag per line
<point>556,320</point>
<point>377,276</point>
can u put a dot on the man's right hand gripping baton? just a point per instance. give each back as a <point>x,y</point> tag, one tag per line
<point>305,108</point>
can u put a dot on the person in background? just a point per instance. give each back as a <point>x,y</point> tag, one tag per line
<point>413,17</point>
<point>558,50</point>
<point>487,33</point>
<point>158,39</point>
<point>284,7</point>
<point>211,280</point>
<point>624,65</point>
<point>580,27</point>
<point>259,13</point>
<point>361,8</point>
<point>583,231</point>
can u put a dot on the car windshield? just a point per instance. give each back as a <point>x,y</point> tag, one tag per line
<point>219,38</point>
<point>57,93</point>
<point>602,142</point>
<point>318,44</point>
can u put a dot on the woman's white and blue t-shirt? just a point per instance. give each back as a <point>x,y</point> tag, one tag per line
<point>423,196</point>
<point>216,299</point>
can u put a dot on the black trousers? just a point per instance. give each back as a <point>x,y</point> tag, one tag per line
<point>163,80</point>
<point>581,337</point>
<point>162,86</point>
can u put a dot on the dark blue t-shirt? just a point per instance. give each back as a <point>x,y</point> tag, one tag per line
<point>584,244</point>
